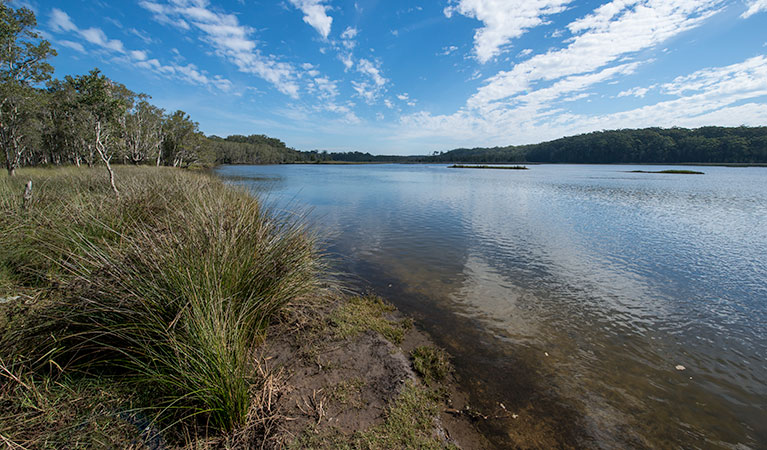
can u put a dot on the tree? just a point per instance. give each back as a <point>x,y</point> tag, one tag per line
<point>103,102</point>
<point>22,64</point>
<point>143,131</point>
<point>178,138</point>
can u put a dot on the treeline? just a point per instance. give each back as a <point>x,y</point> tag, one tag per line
<point>90,119</point>
<point>355,156</point>
<point>253,149</point>
<point>745,145</point>
<point>649,145</point>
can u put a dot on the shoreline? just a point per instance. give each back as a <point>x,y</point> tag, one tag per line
<point>328,366</point>
<point>527,163</point>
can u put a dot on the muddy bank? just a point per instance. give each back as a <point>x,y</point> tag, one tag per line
<point>345,369</point>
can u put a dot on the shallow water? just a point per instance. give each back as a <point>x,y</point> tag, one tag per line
<point>587,281</point>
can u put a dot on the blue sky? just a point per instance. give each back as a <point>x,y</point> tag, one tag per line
<point>412,77</point>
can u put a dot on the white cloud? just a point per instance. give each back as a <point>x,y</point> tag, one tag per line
<point>503,20</point>
<point>448,50</point>
<point>347,60</point>
<point>525,52</point>
<point>726,96</point>
<point>141,35</point>
<point>367,67</point>
<point>138,55</point>
<point>61,22</point>
<point>73,45</point>
<point>349,33</point>
<point>229,39</point>
<point>369,90</point>
<point>366,91</point>
<point>161,13</point>
<point>615,30</point>
<point>347,38</point>
<point>189,73</point>
<point>315,14</point>
<point>343,110</point>
<point>324,87</point>
<point>635,92</point>
<point>97,37</point>
<point>754,6</point>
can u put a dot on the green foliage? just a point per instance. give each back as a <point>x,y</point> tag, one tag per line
<point>180,139</point>
<point>22,63</point>
<point>409,422</point>
<point>432,363</point>
<point>360,314</point>
<point>100,97</point>
<point>649,145</point>
<point>167,289</point>
<point>253,149</point>
<point>23,51</point>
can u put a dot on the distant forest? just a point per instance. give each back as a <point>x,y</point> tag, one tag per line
<point>747,145</point>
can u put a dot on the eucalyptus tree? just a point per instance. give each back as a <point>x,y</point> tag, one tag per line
<point>179,138</point>
<point>65,128</point>
<point>103,102</point>
<point>143,131</point>
<point>23,55</point>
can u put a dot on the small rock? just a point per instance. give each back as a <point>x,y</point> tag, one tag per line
<point>546,353</point>
<point>514,416</point>
<point>680,367</point>
<point>389,284</point>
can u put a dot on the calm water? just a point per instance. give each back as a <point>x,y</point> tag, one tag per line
<point>588,283</point>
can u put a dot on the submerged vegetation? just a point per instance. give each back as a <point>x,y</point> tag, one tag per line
<point>360,314</point>
<point>164,292</point>
<point>432,363</point>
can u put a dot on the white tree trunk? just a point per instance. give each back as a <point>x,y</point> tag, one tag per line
<point>101,149</point>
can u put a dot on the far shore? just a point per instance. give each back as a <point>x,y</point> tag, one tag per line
<point>486,163</point>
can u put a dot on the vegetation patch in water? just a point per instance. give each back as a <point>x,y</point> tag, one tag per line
<point>676,171</point>
<point>432,363</point>
<point>462,166</point>
<point>370,312</point>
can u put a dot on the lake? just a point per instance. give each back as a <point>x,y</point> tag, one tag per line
<point>600,307</point>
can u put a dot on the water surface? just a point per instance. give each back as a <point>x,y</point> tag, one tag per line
<point>589,284</point>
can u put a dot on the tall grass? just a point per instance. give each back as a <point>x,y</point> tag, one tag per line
<point>170,288</point>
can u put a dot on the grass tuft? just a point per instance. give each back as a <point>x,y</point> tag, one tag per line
<point>168,290</point>
<point>370,312</point>
<point>433,364</point>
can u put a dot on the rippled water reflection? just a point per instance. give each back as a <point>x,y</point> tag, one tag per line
<point>617,276</point>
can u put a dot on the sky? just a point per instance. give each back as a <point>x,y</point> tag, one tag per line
<point>413,77</point>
